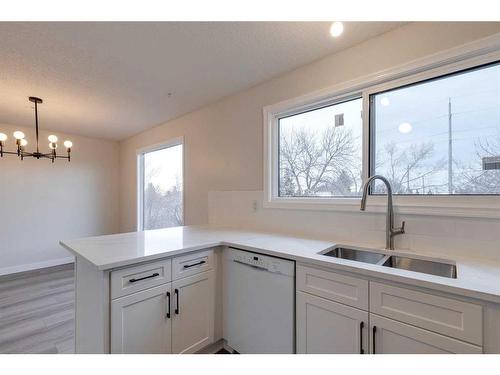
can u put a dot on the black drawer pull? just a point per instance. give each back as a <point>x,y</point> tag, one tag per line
<point>374,329</point>
<point>194,264</point>
<point>176,291</point>
<point>168,305</point>
<point>144,278</point>
<point>361,326</point>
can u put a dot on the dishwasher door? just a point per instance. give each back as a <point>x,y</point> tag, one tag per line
<point>258,303</point>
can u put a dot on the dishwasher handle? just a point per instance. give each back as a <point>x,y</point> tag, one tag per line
<point>250,265</point>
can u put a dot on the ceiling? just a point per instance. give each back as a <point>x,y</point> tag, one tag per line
<point>113,80</point>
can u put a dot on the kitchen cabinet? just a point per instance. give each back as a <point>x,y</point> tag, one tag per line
<point>175,317</point>
<point>388,336</point>
<point>333,311</point>
<point>141,323</point>
<point>193,312</point>
<point>325,326</point>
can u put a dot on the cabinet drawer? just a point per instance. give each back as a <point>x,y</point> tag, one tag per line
<point>333,286</point>
<point>462,320</point>
<point>191,264</point>
<point>133,279</point>
<point>389,336</point>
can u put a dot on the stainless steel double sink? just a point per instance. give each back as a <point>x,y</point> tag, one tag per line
<point>431,267</point>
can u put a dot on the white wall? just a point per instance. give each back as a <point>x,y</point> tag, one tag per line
<point>432,235</point>
<point>224,140</point>
<point>42,203</point>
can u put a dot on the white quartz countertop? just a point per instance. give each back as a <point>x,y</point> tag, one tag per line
<point>476,278</point>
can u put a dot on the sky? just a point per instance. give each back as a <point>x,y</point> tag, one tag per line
<point>167,163</point>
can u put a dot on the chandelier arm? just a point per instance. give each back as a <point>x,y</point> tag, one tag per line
<point>9,152</point>
<point>51,156</point>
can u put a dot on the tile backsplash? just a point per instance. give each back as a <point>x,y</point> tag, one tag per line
<point>471,237</point>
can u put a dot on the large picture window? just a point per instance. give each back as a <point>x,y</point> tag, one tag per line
<point>431,128</point>
<point>161,187</point>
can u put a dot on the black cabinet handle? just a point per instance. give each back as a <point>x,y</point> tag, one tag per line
<point>144,278</point>
<point>176,291</point>
<point>194,264</point>
<point>361,326</point>
<point>374,329</point>
<point>168,305</point>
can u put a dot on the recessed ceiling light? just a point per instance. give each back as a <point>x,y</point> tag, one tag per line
<point>405,127</point>
<point>385,101</point>
<point>336,29</point>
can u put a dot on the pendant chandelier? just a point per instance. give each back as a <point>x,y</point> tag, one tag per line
<point>21,142</point>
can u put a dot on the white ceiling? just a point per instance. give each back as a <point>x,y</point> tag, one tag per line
<point>111,80</point>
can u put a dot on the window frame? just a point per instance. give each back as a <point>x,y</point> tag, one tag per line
<point>469,56</point>
<point>299,110</point>
<point>179,141</point>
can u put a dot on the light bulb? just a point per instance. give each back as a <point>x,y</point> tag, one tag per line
<point>3,137</point>
<point>385,101</point>
<point>68,144</point>
<point>405,127</point>
<point>18,135</point>
<point>336,29</point>
<point>52,145</point>
<point>24,142</point>
<point>52,138</point>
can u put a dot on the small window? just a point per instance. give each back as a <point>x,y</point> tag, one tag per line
<point>320,151</point>
<point>439,137</point>
<point>162,187</point>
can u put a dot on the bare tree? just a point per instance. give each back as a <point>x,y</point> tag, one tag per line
<point>406,169</point>
<point>472,179</point>
<point>311,163</point>
<point>162,208</point>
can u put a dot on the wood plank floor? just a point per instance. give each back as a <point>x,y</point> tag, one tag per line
<point>37,311</point>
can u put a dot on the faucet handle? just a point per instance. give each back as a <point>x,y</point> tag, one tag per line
<point>402,229</point>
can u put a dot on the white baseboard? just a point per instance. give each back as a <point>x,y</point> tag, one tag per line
<point>36,266</point>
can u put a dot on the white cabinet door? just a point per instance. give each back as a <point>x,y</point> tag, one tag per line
<point>328,327</point>
<point>193,312</point>
<point>140,322</point>
<point>388,336</point>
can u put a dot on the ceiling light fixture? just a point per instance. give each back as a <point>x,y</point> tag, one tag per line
<point>336,29</point>
<point>405,127</point>
<point>21,142</point>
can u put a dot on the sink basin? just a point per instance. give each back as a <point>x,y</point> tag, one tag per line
<point>423,266</point>
<point>357,255</point>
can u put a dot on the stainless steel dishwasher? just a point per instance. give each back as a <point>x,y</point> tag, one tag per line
<point>258,302</point>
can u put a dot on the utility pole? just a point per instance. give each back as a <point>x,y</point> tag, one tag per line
<point>450,151</point>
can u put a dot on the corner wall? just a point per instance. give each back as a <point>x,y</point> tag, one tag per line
<point>42,202</point>
<point>224,140</point>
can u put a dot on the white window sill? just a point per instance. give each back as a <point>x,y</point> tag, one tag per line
<point>447,206</point>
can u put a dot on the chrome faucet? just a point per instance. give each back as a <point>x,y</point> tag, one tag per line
<point>390,231</point>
